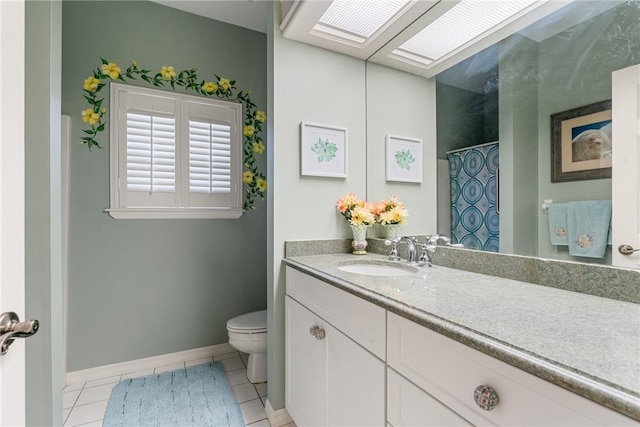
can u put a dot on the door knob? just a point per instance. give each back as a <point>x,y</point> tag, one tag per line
<point>627,249</point>
<point>11,328</point>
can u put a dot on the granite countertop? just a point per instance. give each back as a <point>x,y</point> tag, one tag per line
<point>587,344</point>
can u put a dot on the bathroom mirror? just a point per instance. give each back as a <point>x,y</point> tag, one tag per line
<point>508,92</point>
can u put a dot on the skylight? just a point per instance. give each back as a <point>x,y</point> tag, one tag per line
<point>357,21</point>
<point>461,24</point>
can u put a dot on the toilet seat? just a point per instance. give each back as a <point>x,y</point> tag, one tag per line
<point>250,323</point>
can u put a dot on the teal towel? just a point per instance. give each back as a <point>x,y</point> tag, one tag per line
<point>558,224</point>
<point>588,227</point>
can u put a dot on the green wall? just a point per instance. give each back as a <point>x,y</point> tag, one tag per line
<point>140,288</point>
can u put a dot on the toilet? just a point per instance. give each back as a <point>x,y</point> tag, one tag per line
<point>248,334</point>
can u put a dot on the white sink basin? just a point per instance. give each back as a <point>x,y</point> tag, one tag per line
<point>378,269</point>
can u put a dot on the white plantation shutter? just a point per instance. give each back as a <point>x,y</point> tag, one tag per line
<point>151,153</point>
<point>209,157</point>
<point>174,155</point>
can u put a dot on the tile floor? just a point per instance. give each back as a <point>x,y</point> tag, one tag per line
<point>84,404</point>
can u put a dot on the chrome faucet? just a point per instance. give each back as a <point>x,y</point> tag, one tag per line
<point>433,240</point>
<point>411,247</point>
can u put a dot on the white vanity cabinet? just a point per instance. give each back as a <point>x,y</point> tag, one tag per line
<point>335,347</point>
<point>449,372</point>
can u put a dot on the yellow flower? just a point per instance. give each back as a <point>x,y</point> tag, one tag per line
<point>103,110</point>
<point>248,131</point>
<point>262,185</point>
<point>134,63</point>
<point>361,216</point>
<point>168,72</point>
<point>258,147</point>
<point>111,70</point>
<point>225,84</point>
<point>261,116</point>
<point>91,84</point>
<point>247,177</point>
<point>90,116</point>
<point>210,87</point>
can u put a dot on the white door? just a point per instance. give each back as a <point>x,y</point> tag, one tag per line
<point>12,296</point>
<point>626,162</point>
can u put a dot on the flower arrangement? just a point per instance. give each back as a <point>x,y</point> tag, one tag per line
<point>94,116</point>
<point>356,211</point>
<point>390,211</point>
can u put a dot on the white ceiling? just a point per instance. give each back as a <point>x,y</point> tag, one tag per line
<point>251,14</point>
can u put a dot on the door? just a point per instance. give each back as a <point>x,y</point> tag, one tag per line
<point>12,296</point>
<point>626,161</point>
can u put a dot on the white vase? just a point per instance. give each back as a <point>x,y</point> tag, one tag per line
<point>359,243</point>
<point>390,231</point>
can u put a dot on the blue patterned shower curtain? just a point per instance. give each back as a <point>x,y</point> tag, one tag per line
<point>475,221</point>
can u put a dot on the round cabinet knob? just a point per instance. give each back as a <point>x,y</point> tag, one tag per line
<point>485,397</point>
<point>317,332</point>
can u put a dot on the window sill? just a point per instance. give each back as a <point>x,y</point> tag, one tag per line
<point>174,213</point>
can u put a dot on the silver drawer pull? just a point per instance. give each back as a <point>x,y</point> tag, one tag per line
<point>317,332</point>
<point>486,397</point>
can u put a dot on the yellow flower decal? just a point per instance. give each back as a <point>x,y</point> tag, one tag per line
<point>210,87</point>
<point>111,70</point>
<point>248,131</point>
<point>262,185</point>
<point>258,147</point>
<point>90,116</point>
<point>247,177</point>
<point>261,116</point>
<point>103,110</point>
<point>225,84</point>
<point>134,63</point>
<point>168,72</point>
<point>91,84</point>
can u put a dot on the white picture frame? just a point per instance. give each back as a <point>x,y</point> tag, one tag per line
<point>404,159</point>
<point>323,150</point>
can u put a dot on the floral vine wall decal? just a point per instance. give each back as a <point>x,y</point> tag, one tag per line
<point>223,88</point>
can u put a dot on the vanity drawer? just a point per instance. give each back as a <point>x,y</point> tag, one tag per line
<point>450,372</point>
<point>360,320</point>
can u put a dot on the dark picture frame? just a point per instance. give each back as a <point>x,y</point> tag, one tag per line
<point>581,143</point>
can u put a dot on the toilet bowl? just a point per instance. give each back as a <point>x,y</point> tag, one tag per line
<point>248,334</point>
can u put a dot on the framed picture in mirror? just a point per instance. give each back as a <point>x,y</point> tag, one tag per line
<point>581,143</point>
<point>404,159</point>
<point>323,150</point>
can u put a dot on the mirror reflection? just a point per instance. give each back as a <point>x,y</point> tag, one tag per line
<point>494,139</point>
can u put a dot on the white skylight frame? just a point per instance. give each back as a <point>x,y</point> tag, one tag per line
<point>461,26</point>
<point>356,23</point>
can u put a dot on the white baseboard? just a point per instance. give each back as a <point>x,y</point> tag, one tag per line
<point>84,375</point>
<point>277,418</point>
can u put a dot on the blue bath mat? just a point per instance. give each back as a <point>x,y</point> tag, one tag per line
<point>196,396</point>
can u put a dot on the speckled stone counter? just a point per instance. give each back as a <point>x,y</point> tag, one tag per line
<point>584,343</point>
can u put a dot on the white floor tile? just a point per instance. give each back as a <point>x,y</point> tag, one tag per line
<point>261,423</point>
<point>292,424</point>
<point>73,387</point>
<point>169,368</point>
<point>198,361</point>
<point>232,364</point>
<point>225,356</point>
<point>245,392</point>
<point>137,374</point>
<point>69,398</point>
<point>65,414</point>
<point>261,389</point>
<point>237,377</point>
<point>92,424</point>
<point>95,394</point>
<point>252,411</point>
<point>244,357</point>
<point>84,414</point>
<point>108,380</point>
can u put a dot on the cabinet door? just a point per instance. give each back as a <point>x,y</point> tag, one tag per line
<point>408,405</point>
<point>355,383</point>
<point>305,395</point>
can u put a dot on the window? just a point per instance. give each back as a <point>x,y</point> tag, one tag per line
<point>174,155</point>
